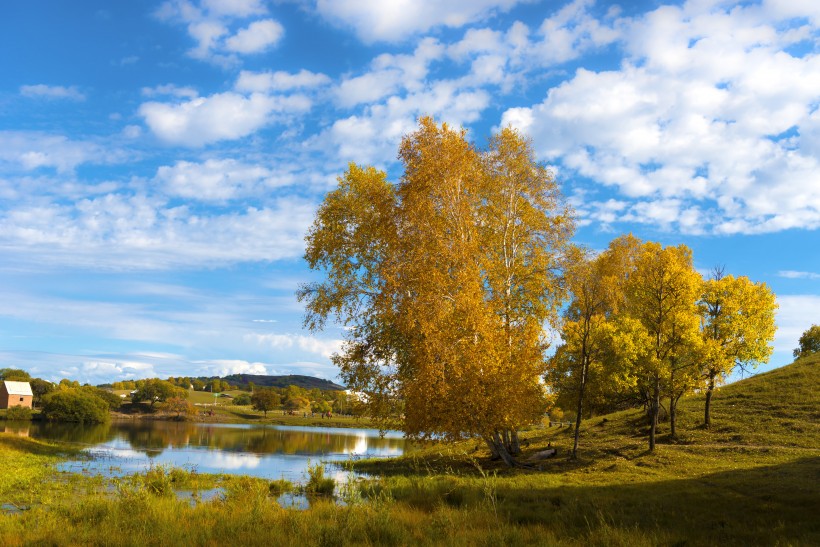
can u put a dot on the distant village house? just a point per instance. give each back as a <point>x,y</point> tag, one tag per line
<point>15,394</point>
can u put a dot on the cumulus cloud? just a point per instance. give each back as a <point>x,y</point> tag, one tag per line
<point>325,348</point>
<point>390,74</point>
<point>218,180</point>
<point>223,116</point>
<point>703,125</point>
<point>222,29</point>
<point>225,367</point>
<point>263,82</point>
<point>52,92</point>
<point>376,20</point>
<point>374,136</point>
<point>256,37</point>
<point>139,232</point>
<point>31,150</point>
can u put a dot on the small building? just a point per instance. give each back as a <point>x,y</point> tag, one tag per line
<point>15,394</point>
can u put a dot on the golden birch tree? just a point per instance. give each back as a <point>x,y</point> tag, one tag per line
<point>596,286</point>
<point>445,281</point>
<point>737,328</point>
<point>661,297</point>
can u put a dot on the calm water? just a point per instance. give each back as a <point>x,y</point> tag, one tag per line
<point>262,451</point>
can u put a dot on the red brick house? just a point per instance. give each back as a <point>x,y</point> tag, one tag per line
<point>15,394</point>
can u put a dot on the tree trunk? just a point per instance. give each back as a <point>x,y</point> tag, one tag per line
<point>502,450</point>
<point>515,443</point>
<point>579,409</point>
<point>673,405</point>
<point>494,455</point>
<point>655,410</point>
<point>672,402</point>
<point>707,418</point>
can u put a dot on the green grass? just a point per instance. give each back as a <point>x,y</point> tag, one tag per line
<point>749,480</point>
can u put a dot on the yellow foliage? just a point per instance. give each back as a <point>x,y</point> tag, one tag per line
<point>446,280</point>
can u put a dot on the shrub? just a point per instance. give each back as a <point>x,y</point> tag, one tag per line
<point>279,487</point>
<point>75,405</point>
<point>317,482</point>
<point>18,413</point>
<point>111,399</point>
<point>242,399</point>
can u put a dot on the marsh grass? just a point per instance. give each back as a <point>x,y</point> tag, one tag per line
<point>750,480</point>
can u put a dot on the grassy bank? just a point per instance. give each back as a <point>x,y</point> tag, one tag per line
<point>750,480</point>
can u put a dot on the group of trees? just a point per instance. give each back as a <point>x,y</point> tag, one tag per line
<point>297,399</point>
<point>642,325</point>
<point>447,279</point>
<point>214,385</point>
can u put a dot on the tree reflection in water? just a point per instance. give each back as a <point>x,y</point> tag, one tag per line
<point>270,451</point>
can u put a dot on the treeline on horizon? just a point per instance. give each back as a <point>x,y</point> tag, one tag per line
<point>246,382</point>
<point>69,401</point>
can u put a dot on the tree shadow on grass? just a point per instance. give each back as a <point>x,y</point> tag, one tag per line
<point>776,504</point>
<point>764,505</point>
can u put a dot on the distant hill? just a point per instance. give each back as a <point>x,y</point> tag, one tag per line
<point>306,382</point>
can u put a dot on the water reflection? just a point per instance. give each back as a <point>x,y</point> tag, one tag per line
<point>264,451</point>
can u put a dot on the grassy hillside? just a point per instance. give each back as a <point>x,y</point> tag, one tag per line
<point>751,479</point>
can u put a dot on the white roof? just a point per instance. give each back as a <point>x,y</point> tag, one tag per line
<point>18,388</point>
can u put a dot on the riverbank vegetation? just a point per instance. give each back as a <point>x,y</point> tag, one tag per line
<point>749,480</point>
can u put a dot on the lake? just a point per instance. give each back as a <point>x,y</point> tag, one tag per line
<point>268,451</point>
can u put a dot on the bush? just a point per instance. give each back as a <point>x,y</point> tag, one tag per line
<point>18,413</point>
<point>317,482</point>
<point>111,399</point>
<point>242,399</point>
<point>75,405</point>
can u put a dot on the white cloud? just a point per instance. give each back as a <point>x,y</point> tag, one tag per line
<point>325,348</point>
<point>29,150</point>
<point>376,20</point>
<point>692,123</point>
<point>215,27</point>
<point>374,136</point>
<point>390,74</point>
<point>52,92</point>
<point>263,82</point>
<point>225,367</point>
<point>795,314</point>
<point>218,180</point>
<point>792,274</point>
<point>257,37</point>
<point>170,90</point>
<point>137,232</point>
<point>223,116</point>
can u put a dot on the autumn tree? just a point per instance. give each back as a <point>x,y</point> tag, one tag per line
<point>737,327</point>
<point>265,400</point>
<point>809,342</point>
<point>446,280</point>
<point>155,391</point>
<point>661,297</point>
<point>596,285</point>
<point>14,375</point>
<point>180,405</point>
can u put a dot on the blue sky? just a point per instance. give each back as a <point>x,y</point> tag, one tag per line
<point>161,161</point>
